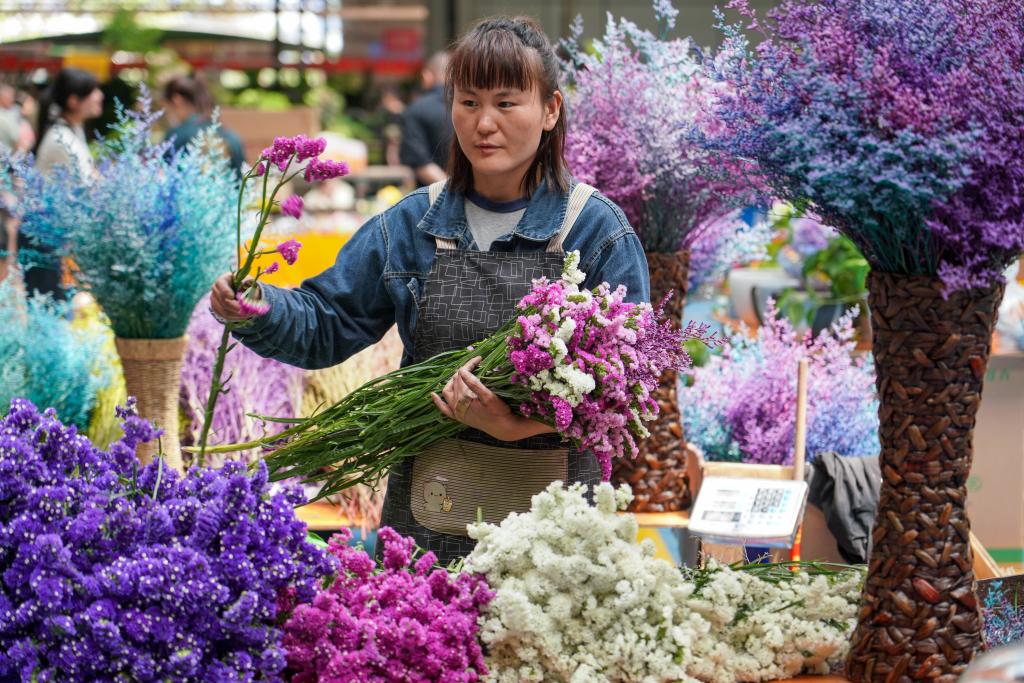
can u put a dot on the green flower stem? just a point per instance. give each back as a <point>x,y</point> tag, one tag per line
<point>217,387</point>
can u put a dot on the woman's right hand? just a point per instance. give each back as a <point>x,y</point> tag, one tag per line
<point>223,301</point>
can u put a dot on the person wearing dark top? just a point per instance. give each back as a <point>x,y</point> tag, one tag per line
<point>189,108</point>
<point>427,126</point>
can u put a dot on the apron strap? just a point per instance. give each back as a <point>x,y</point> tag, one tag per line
<point>577,200</point>
<point>433,192</point>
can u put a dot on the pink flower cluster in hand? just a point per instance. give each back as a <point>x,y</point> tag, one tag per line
<point>591,361</point>
<point>289,251</point>
<point>251,301</point>
<point>402,623</point>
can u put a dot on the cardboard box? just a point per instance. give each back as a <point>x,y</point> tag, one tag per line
<point>995,498</point>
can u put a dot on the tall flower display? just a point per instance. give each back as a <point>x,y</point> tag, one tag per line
<point>147,236</point>
<point>631,104</point>
<point>900,123</point>
<point>116,572</point>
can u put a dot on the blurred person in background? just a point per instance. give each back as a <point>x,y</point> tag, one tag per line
<point>427,125</point>
<point>188,106</point>
<point>73,98</point>
<point>10,119</point>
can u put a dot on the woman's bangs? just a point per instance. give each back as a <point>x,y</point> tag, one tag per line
<point>491,61</point>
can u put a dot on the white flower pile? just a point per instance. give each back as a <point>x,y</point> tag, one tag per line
<point>579,600</point>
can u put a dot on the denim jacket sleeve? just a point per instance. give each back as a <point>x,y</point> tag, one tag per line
<point>330,316</point>
<point>616,255</point>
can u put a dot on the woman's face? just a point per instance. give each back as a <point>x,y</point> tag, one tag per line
<point>88,107</point>
<point>499,129</point>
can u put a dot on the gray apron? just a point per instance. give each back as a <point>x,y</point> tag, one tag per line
<point>467,296</point>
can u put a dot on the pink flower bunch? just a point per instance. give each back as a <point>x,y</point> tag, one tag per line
<point>591,361</point>
<point>289,251</point>
<point>280,153</point>
<point>405,621</point>
<point>324,169</point>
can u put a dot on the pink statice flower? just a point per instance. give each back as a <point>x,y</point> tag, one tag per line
<point>272,268</point>
<point>325,169</point>
<point>251,301</point>
<point>306,148</point>
<point>406,620</point>
<point>289,251</point>
<point>591,361</point>
<point>292,206</point>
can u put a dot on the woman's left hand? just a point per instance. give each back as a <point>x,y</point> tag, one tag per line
<point>465,399</point>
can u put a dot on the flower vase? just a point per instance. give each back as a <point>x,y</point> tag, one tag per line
<point>657,474</point>
<point>152,374</point>
<point>919,615</point>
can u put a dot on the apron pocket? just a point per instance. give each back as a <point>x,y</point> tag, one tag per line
<point>454,478</point>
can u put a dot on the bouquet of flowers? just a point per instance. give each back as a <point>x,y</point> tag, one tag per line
<point>583,362</point>
<point>577,598</point>
<point>899,121</point>
<point>112,572</point>
<point>47,358</point>
<point>632,105</point>
<point>404,622</point>
<point>147,233</point>
<point>742,403</point>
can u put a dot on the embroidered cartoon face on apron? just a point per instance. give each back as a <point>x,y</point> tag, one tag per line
<point>467,296</point>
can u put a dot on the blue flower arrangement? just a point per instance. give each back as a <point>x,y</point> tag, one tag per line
<point>115,573</point>
<point>149,234</point>
<point>47,358</point>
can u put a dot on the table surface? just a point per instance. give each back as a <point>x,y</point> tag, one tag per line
<point>322,516</point>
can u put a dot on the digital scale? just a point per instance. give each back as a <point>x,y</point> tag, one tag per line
<point>747,511</point>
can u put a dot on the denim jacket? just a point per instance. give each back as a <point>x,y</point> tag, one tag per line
<point>379,274</point>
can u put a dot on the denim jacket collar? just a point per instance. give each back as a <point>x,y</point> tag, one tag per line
<point>542,219</point>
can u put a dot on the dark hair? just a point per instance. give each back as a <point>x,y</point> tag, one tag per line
<point>508,52</point>
<point>193,90</point>
<point>66,83</point>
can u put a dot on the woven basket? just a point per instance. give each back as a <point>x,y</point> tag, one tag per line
<point>152,374</point>
<point>658,473</point>
<point>919,616</point>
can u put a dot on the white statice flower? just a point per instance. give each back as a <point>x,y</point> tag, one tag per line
<point>571,272</point>
<point>579,599</point>
<point>566,329</point>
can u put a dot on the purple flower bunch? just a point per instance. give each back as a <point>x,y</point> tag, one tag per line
<point>591,361</point>
<point>631,108</point>
<point>115,572</point>
<point>742,403</point>
<point>900,121</point>
<point>406,621</point>
<point>724,243</point>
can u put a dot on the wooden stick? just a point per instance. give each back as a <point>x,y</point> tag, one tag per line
<point>800,447</point>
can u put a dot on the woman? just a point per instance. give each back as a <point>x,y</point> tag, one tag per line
<point>73,98</point>
<point>189,108</point>
<point>448,264</point>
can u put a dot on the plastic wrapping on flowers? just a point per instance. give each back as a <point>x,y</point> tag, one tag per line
<point>741,405</point>
<point>112,572</point>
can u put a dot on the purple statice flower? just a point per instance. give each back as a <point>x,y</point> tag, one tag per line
<point>272,268</point>
<point>724,243</point>
<point>306,148</point>
<point>324,169</point>
<point>289,251</point>
<point>292,206</point>
<point>405,621</point>
<point>631,109</point>
<point>259,169</point>
<point>742,404</point>
<point>114,571</point>
<point>899,121</point>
